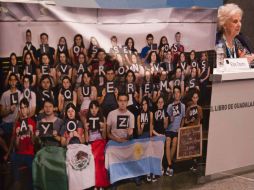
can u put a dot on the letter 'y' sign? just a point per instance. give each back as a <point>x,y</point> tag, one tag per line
<point>45,129</point>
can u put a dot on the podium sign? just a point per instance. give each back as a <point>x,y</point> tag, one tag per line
<point>236,64</point>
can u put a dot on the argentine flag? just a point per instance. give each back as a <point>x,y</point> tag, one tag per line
<point>134,158</point>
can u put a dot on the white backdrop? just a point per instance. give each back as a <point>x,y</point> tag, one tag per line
<point>197,26</point>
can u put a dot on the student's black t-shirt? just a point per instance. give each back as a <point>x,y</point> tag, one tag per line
<point>29,69</point>
<point>28,47</point>
<point>145,119</point>
<point>147,88</point>
<point>159,116</point>
<point>204,69</point>
<point>49,50</point>
<point>192,82</point>
<point>110,98</point>
<point>63,68</point>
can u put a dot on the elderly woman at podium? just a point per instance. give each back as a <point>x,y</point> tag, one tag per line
<point>229,26</point>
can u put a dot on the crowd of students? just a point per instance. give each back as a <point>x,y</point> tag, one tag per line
<point>81,95</point>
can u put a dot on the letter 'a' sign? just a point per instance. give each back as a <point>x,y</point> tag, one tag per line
<point>14,97</point>
<point>176,109</point>
<point>45,129</point>
<point>23,127</point>
<point>122,121</point>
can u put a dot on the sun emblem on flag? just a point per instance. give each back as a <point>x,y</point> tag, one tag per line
<point>138,151</point>
<point>80,160</point>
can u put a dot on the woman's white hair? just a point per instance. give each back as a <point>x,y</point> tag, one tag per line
<point>225,12</point>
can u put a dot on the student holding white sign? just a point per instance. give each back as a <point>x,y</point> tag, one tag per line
<point>194,116</point>
<point>129,49</point>
<point>66,94</point>
<point>137,68</point>
<point>77,48</point>
<point>63,68</point>
<point>147,49</point>
<point>48,128</point>
<point>205,70</point>
<point>29,94</point>
<point>163,47</point>
<point>72,126</point>
<point>120,122</point>
<point>78,69</point>
<point>178,80</point>
<point>192,81</point>
<point>154,65</point>
<point>29,47</point>
<point>45,49</point>
<point>95,134</point>
<point>194,61</point>
<point>160,119</point>
<point>145,120</point>
<point>183,64</point>
<point>99,66</point>
<point>194,113</point>
<point>177,47</point>
<point>9,106</point>
<point>23,136</point>
<point>62,47</point>
<point>29,67</point>
<point>145,127</point>
<point>163,88</point>
<point>132,89</point>
<point>176,113</point>
<point>44,92</point>
<point>86,93</point>
<point>115,49</point>
<point>13,68</point>
<point>108,98</point>
<point>147,86</point>
<point>46,69</point>
<point>167,63</point>
<point>93,49</point>
<point>95,123</point>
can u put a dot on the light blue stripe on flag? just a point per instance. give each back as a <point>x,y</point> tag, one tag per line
<point>132,169</point>
<point>133,141</point>
<point>134,158</point>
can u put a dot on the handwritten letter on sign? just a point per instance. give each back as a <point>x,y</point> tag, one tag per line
<point>189,142</point>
